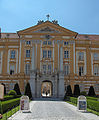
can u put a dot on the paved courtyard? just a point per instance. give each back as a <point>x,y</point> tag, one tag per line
<point>53,110</point>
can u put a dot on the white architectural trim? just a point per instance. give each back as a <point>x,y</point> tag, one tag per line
<point>81,48</point>
<point>36,56</point>
<point>20,56</point>
<point>53,56</point>
<point>13,46</point>
<point>85,66</point>
<point>77,62</point>
<point>58,56</point>
<point>74,55</point>
<point>16,60</point>
<point>1,62</point>
<point>92,63</point>
<point>33,60</point>
<point>1,46</point>
<point>8,61</point>
<point>94,48</point>
<point>61,59</point>
<point>41,56</point>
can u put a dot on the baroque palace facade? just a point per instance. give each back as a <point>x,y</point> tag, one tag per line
<point>50,57</point>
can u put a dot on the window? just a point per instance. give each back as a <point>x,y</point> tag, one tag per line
<point>27,53</point>
<point>96,70</point>
<point>66,43</point>
<point>45,43</point>
<point>66,54</point>
<point>49,42</point>
<point>81,56</point>
<point>12,69</point>
<point>49,53</point>
<point>96,56</point>
<point>44,53</point>
<point>44,68</point>
<point>27,69</point>
<point>66,69</point>
<point>81,72</point>
<point>28,42</point>
<point>49,68</point>
<point>12,54</point>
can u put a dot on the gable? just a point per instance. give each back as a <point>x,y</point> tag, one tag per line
<point>47,27</point>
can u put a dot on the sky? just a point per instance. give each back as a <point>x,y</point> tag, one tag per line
<point>81,16</point>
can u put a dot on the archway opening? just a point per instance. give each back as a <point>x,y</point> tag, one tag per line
<point>46,89</point>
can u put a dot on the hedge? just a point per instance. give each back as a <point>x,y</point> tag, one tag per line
<point>6,105</point>
<point>9,97</point>
<point>94,105</point>
<point>91,104</point>
<point>92,98</point>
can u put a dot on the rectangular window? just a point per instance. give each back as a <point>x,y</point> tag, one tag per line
<point>66,54</point>
<point>12,69</point>
<point>28,42</point>
<point>81,56</point>
<point>49,53</point>
<point>27,53</point>
<point>49,68</point>
<point>44,53</point>
<point>81,71</point>
<point>96,70</point>
<point>45,43</point>
<point>96,56</point>
<point>66,69</point>
<point>44,68</point>
<point>49,43</point>
<point>12,54</point>
<point>27,69</point>
<point>66,43</point>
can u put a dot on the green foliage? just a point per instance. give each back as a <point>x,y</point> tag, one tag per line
<point>91,91</point>
<point>76,90</point>
<point>6,105</point>
<point>12,92</point>
<point>9,97</point>
<point>83,93</point>
<point>92,98</point>
<point>73,100</point>
<point>17,89</point>
<point>69,91</point>
<point>28,91</point>
<point>94,105</point>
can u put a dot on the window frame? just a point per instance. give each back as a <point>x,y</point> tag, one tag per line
<point>13,52</point>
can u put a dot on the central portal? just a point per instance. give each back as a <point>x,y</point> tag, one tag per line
<point>46,89</point>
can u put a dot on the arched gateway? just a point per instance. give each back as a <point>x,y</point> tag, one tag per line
<point>43,85</point>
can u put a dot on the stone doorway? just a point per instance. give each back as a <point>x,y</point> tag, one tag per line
<point>46,89</point>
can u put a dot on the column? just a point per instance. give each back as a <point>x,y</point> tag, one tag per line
<point>33,59</point>
<point>20,56</point>
<point>1,62</point>
<point>8,61</point>
<point>74,55</point>
<point>16,60</point>
<point>61,59</point>
<point>40,55</point>
<point>58,56</point>
<point>53,56</point>
<point>92,63</point>
<point>77,62</point>
<point>85,67</point>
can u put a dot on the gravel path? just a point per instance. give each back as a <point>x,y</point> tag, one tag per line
<point>53,110</point>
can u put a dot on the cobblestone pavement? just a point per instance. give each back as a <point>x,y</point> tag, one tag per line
<point>52,110</point>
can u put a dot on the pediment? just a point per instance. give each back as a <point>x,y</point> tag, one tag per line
<point>47,27</point>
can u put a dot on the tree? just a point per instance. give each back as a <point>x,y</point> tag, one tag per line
<point>17,89</point>
<point>76,90</point>
<point>4,88</point>
<point>28,90</point>
<point>69,91</point>
<point>91,91</point>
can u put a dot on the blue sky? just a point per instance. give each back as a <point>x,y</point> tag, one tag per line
<point>81,16</point>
